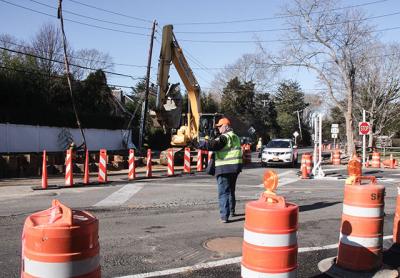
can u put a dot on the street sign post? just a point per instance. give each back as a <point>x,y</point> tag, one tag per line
<point>334,133</point>
<point>364,129</point>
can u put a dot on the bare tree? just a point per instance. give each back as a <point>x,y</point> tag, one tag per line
<point>90,58</point>
<point>47,43</point>
<point>328,40</point>
<point>255,68</point>
<point>378,87</point>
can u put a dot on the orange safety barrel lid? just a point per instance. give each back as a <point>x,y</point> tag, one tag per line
<point>62,233</point>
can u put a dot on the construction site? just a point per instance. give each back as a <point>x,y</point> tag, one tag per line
<point>260,143</point>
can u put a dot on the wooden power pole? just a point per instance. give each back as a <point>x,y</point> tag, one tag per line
<point>146,99</point>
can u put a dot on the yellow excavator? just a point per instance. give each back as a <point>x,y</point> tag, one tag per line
<point>194,125</point>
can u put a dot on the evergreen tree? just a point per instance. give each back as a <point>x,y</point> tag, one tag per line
<point>289,99</point>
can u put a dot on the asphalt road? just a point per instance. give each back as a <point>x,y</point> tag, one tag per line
<point>162,225</point>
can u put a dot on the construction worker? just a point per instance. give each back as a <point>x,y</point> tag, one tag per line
<point>228,165</point>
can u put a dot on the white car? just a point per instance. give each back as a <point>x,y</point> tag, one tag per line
<point>279,151</point>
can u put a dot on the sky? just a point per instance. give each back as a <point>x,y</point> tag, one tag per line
<point>122,29</point>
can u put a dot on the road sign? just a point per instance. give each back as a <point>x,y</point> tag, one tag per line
<point>363,128</point>
<point>335,125</point>
<point>295,134</point>
<point>334,130</point>
<point>334,135</point>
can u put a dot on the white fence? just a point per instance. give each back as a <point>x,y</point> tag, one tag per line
<point>26,138</point>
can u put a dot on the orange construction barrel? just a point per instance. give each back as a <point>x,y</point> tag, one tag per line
<point>60,242</point>
<point>336,157</point>
<point>361,233</point>
<point>270,238</point>
<point>376,160</point>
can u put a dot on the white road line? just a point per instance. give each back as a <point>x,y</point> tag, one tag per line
<point>234,260</point>
<point>121,196</point>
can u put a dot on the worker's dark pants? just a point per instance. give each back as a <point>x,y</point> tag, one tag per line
<point>226,194</point>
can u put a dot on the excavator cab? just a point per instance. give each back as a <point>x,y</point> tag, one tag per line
<point>207,125</point>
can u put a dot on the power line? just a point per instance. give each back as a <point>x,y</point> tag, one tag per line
<point>92,18</point>
<point>112,12</point>
<point>273,18</point>
<point>57,76</point>
<point>280,29</point>
<point>267,41</point>
<point>77,22</point>
<point>60,62</point>
<point>79,58</point>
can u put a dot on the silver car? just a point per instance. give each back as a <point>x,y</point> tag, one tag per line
<point>279,151</point>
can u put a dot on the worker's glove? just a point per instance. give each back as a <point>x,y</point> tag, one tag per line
<point>202,145</point>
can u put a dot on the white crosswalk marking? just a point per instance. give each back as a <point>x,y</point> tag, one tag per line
<point>121,196</point>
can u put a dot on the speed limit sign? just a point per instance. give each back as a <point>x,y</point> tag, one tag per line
<point>363,128</point>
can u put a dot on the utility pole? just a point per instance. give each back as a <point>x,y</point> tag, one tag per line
<point>146,99</point>
<point>298,120</point>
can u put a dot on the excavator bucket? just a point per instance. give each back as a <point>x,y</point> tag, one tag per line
<point>170,114</point>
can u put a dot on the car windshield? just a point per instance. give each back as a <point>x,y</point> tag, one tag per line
<point>278,144</point>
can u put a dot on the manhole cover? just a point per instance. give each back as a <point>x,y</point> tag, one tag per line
<point>224,244</point>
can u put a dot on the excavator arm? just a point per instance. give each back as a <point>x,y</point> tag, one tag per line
<point>169,100</point>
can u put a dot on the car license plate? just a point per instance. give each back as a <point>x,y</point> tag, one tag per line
<point>275,158</point>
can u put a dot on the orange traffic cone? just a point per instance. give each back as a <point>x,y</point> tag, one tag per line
<point>304,173</point>
<point>86,174</point>
<point>44,171</point>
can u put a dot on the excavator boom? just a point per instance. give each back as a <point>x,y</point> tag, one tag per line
<point>169,100</point>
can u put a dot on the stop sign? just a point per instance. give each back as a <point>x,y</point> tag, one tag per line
<point>363,128</point>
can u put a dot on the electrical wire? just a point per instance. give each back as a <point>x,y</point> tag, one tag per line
<point>275,17</point>
<point>78,66</point>
<point>92,18</point>
<point>112,12</point>
<point>282,29</point>
<point>268,41</point>
<point>77,22</point>
<point>80,58</point>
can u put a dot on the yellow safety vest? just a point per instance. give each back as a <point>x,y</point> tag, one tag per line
<point>229,159</point>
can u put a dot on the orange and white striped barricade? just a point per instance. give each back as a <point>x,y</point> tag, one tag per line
<point>86,178</point>
<point>170,160</point>
<point>102,178</point>
<point>69,173</point>
<point>199,161</point>
<point>60,242</point>
<point>149,173</point>
<point>186,161</point>
<point>336,157</point>
<point>270,238</point>
<point>376,160</point>
<point>361,232</point>
<point>44,171</point>
<point>132,166</point>
<point>396,225</point>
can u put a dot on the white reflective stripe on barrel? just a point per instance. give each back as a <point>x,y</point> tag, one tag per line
<point>248,273</point>
<point>60,270</point>
<point>361,241</point>
<point>362,212</point>
<point>269,240</point>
